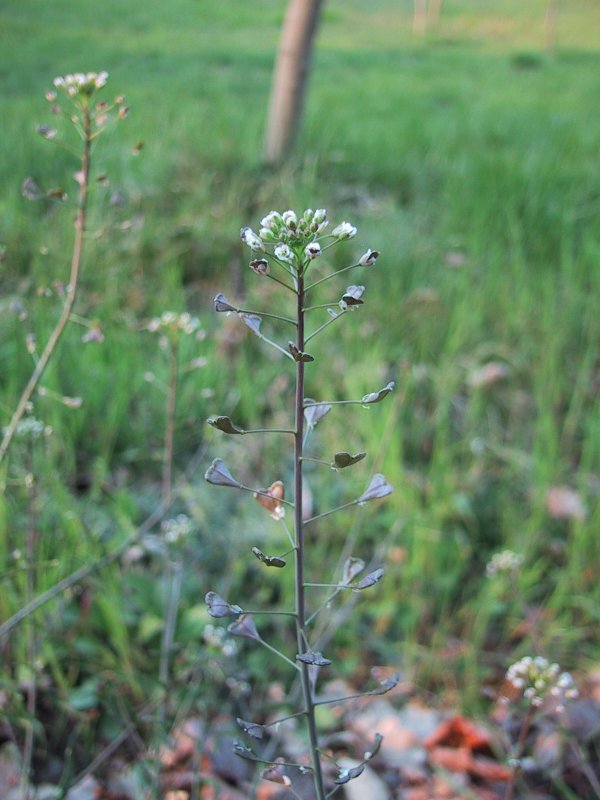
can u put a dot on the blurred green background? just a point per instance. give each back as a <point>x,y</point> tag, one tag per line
<point>469,157</point>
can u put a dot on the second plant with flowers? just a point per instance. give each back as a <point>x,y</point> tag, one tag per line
<point>290,249</point>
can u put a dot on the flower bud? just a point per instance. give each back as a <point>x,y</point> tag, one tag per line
<point>290,218</point>
<point>312,250</point>
<point>344,231</point>
<point>253,241</point>
<point>369,258</point>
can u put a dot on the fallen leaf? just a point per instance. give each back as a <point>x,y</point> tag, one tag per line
<point>459,732</point>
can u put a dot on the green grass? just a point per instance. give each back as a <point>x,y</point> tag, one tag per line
<point>474,142</point>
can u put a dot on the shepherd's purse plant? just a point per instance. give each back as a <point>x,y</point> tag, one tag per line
<point>290,249</point>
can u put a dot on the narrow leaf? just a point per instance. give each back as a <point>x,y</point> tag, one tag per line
<point>313,412</point>
<point>378,487</point>
<point>376,397</point>
<point>253,322</point>
<point>224,424</point>
<point>299,355</point>
<point>343,459</point>
<point>251,728</point>
<point>219,475</point>
<point>317,659</point>
<point>223,304</point>
<point>268,561</point>
<point>219,607</point>
<point>244,626</point>
<point>369,580</point>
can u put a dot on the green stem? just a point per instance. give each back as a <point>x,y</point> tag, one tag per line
<point>171,405</point>
<point>265,314</point>
<point>332,511</point>
<point>277,652</point>
<point>76,260</point>
<point>325,325</point>
<point>269,430</point>
<point>331,275</point>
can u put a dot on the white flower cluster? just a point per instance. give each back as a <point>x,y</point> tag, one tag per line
<point>289,228</point>
<point>539,680</point>
<point>504,562</point>
<point>217,637</point>
<point>294,239</point>
<point>176,529</point>
<point>85,83</point>
<point>31,428</point>
<point>173,322</point>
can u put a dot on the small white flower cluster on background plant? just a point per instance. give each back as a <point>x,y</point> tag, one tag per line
<point>176,529</point>
<point>84,83</point>
<point>505,562</point>
<point>172,322</point>
<point>217,637</point>
<point>31,428</point>
<point>539,680</point>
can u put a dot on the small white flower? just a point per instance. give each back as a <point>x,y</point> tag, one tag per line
<point>267,235</point>
<point>284,253</point>
<point>539,680</point>
<point>312,250</point>
<point>368,258</point>
<point>319,215</point>
<point>503,563</point>
<point>344,231</point>
<point>176,529</point>
<point>272,221</point>
<point>290,218</point>
<point>253,241</point>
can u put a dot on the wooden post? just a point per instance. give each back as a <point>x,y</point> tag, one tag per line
<point>290,77</point>
<point>419,17</point>
<point>550,24</point>
<point>434,12</point>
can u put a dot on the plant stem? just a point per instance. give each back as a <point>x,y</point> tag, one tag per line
<point>31,644</point>
<point>301,635</point>
<point>332,511</point>
<point>277,652</point>
<point>331,275</point>
<point>265,314</point>
<point>167,475</point>
<point>518,753</point>
<point>269,430</point>
<point>71,291</point>
<point>325,325</point>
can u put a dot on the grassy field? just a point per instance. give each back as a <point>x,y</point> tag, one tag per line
<point>470,159</point>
